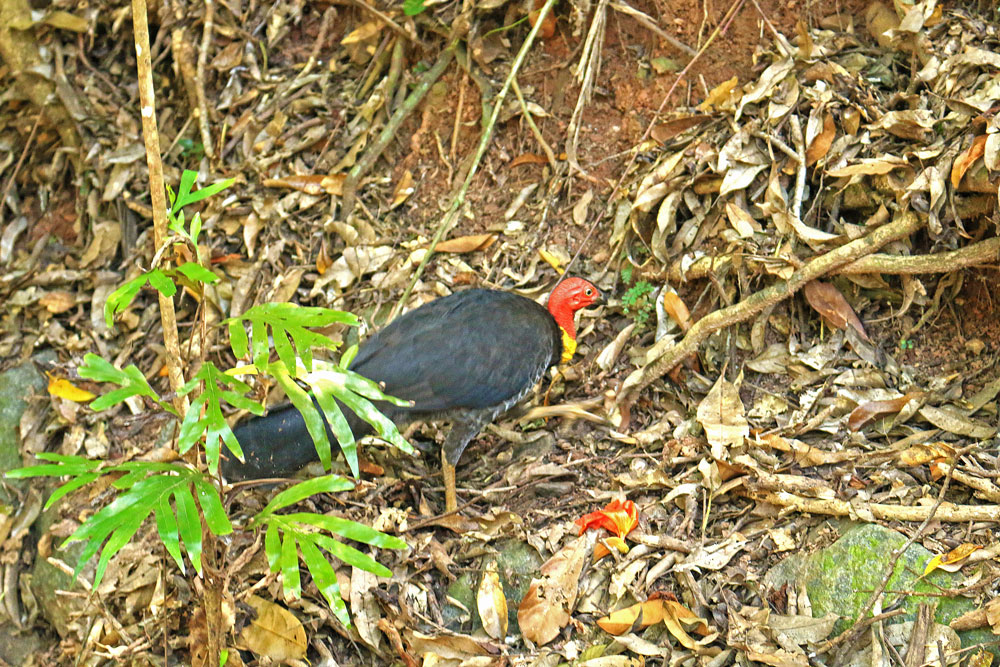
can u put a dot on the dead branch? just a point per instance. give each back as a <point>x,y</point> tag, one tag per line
<point>983,252</point>
<point>872,511</point>
<point>667,355</point>
<point>157,193</point>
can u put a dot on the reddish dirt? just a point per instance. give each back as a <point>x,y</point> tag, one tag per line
<point>627,95</point>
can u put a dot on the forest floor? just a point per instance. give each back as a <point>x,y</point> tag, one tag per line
<point>798,448</point>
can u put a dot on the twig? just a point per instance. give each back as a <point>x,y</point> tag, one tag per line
<point>395,71</point>
<point>208,27</point>
<point>872,511</point>
<point>800,172</point>
<point>20,162</point>
<point>586,71</point>
<point>397,643</point>
<point>983,252</point>
<point>324,29</point>
<point>157,193</point>
<point>385,18</point>
<point>459,109</point>
<point>666,355</point>
<point>650,24</point>
<point>389,131</point>
<point>534,128</point>
<point>984,488</point>
<point>484,141</point>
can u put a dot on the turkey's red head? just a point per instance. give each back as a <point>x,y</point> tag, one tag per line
<point>568,297</point>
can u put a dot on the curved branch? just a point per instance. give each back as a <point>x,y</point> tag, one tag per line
<point>668,356</point>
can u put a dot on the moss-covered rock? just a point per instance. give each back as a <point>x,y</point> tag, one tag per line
<point>517,563</point>
<point>841,578</point>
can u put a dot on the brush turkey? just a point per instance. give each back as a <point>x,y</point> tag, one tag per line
<point>464,358</point>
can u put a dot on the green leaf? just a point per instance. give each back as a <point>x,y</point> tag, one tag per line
<point>204,415</point>
<point>65,466</point>
<point>289,563</point>
<point>302,490</point>
<point>121,298</point>
<point>206,192</point>
<point>119,521</point>
<point>72,485</point>
<point>238,338</point>
<point>329,380</point>
<point>188,177</point>
<point>272,545</point>
<point>341,429</point>
<point>352,556</point>
<point>121,536</point>
<point>324,577</point>
<point>163,283</point>
<point>348,529</point>
<point>211,507</point>
<point>310,415</point>
<point>131,382</point>
<point>189,524</point>
<point>413,7</point>
<point>289,321</point>
<point>197,273</point>
<point>166,526</point>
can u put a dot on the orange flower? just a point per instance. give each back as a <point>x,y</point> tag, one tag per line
<point>618,517</point>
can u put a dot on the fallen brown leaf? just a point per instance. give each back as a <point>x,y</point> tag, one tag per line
<point>550,599</point>
<point>827,300</point>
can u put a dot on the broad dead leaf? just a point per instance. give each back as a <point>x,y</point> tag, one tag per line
<point>364,607</point>
<point>276,632</point>
<point>404,188</point>
<point>443,646</point>
<point>312,184</point>
<point>952,420</point>
<point>528,158</point>
<point>57,301</point>
<point>548,28</point>
<point>663,132</point>
<point>491,603</point>
<point>967,158</point>
<point>867,412</point>
<point>471,243</point>
<point>827,300</point>
<point>551,598</point>
<point>719,95</point>
<point>820,146</point>
<point>993,614</point>
<point>363,32</point>
<point>741,220</point>
<point>918,455</point>
<point>869,167</point>
<point>722,416</point>
<point>951,561</point>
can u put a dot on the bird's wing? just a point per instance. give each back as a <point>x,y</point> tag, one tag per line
<point>475,349</point>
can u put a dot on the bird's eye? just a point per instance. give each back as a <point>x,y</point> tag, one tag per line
<point>589,292</point>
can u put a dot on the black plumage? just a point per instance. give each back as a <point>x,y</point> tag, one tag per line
<point>463,358</point>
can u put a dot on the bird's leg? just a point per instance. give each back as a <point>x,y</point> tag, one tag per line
<point>448,472</point>
<point>462,431</point>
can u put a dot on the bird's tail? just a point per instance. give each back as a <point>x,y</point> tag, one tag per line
<point>278,444</point>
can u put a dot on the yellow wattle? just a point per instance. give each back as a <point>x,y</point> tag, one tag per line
<point>569,346</point>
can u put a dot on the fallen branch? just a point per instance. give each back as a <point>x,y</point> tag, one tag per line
<point>666,355</point>
<point>983,252</point>
<point>872,511</point>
